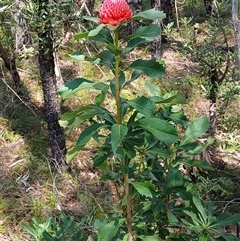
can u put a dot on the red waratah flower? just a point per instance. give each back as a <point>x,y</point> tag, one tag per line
<point>114,12</point>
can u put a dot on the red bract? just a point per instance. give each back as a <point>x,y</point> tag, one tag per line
<point>114,12</point>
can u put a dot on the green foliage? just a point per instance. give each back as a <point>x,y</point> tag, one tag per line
<point>140,147</point>
<point>55,230</point>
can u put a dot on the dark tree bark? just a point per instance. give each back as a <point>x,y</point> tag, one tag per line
<point>209,7</point>
<point>10,64</point>
<point>136,5</point>
<point>49,85</point>
<point>156,44</point>
<point>168,7</point>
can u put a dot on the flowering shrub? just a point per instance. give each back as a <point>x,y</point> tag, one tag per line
<point>140,148</point>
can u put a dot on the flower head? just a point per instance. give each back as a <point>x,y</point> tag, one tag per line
<point>114,12</point>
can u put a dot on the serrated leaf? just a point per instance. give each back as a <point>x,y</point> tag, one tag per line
<point>118,132</point>
<point>161,129</point>
<point>145,188</point>
<point>143,105</point>
<point>197,128</point>
<point>150,14</point>
<point>151,68</point>
<point>109,231</point>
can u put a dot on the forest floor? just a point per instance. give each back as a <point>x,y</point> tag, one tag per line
<point>30,188</point>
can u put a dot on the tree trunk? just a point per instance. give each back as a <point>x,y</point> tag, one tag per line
<point>209,7</point>
<point>213,102</point>
<point>20,31</point>
<point>156,44</point>
<point>168,7</point>
<point>236,26</point>
<point>49,85</point>
<point>136,5</point>
<point>10,64</point>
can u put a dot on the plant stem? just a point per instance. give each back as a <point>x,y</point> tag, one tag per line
<point>117,88</point>
<point>129,207</point>
<point>119,121</point>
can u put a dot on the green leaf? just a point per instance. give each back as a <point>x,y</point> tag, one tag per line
<point>199,149</point>
<point>83,139</point>
<point>132,43</point>
<point>197,163</point>
<point>143,105</point>
<point>174,178</point>
<point>90,18</point>
<point>151,68</point>
<point>80,35</point>
<point>145,188</point>
<point>179,118</point>
<point>226,219</point>
<point>201,209</point>
<point>104,36</point>
<point>73,86</point>
<point>152,90</point>
<point>77,56</point>
<point>135,75</point>
<point>227,236</point>
<point>125,238</point>
<point>109,231</point>
<point>163,153</point>
<point>95,31</point>
<point>172,218</point>
<point>104,89</point>
<point>118,132</point>
<point>150,14</point>
<point>91,33</point>
<point>99,161</point>
<point>150,238</point>
<point>172,99</point>
<point>196,129</point>
<point>161,129</point>
<point>147,32</point>
<point>112,48</point>
<point>107,58</point>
